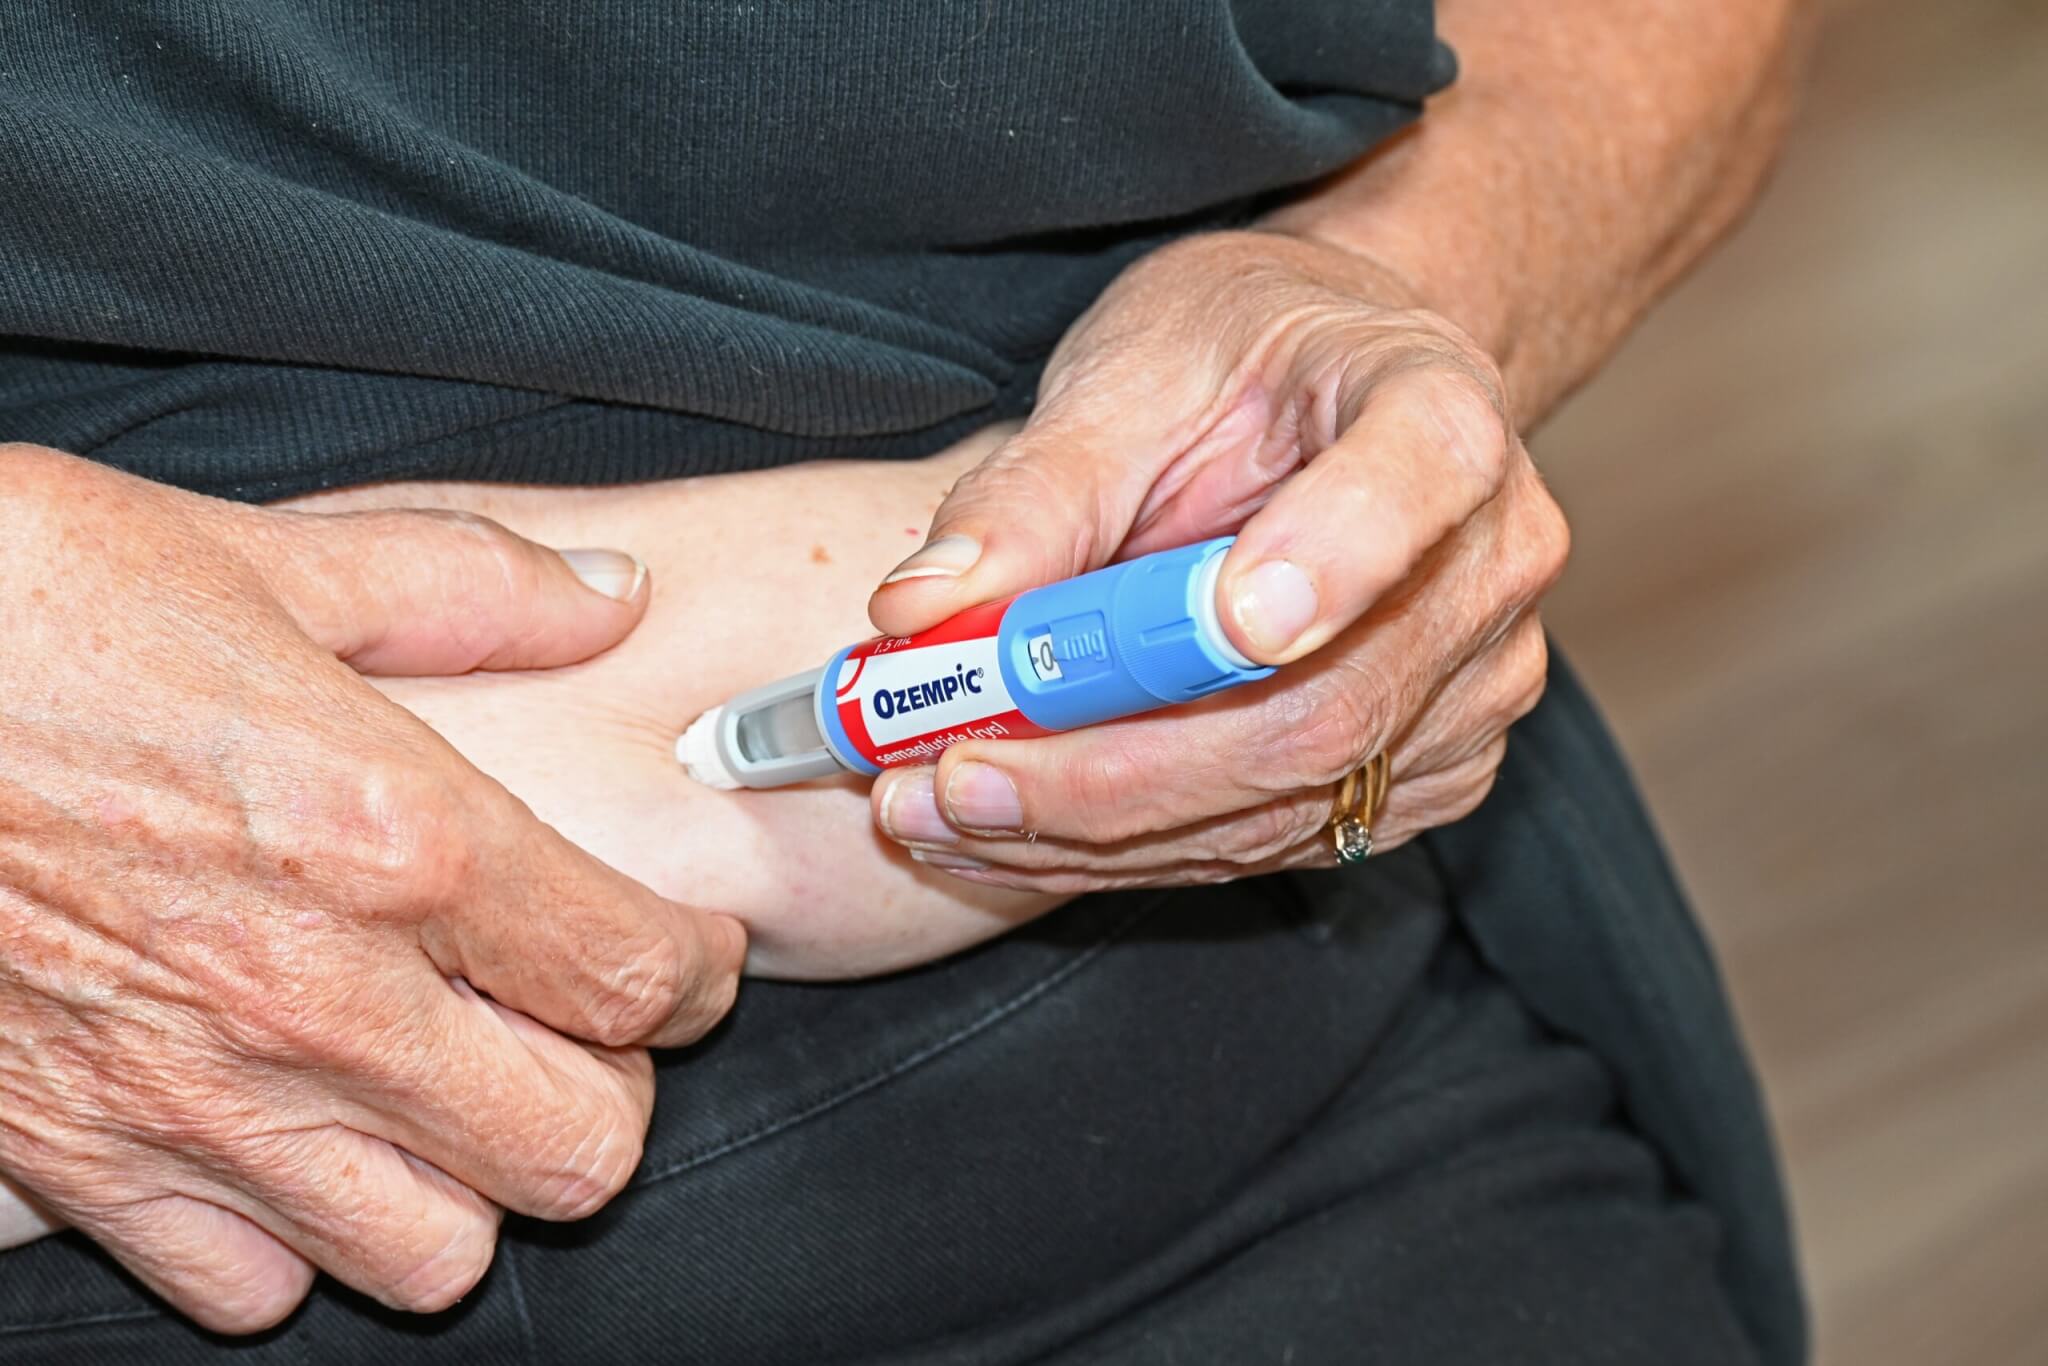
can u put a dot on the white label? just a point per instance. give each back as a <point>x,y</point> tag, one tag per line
<point>912,692</point>
<point>1044,662</point>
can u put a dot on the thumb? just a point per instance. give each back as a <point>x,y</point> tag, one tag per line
<point>416,592</point>
<point>1053,501</point>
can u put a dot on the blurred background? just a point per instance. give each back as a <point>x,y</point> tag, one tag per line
<point>1811,589</point>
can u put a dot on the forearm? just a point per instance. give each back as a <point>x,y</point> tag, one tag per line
<point>1589,153</point>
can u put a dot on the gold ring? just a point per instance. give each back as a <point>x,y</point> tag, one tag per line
<point>1360,797</point>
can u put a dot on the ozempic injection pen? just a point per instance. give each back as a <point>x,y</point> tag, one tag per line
<point>1115,642</point>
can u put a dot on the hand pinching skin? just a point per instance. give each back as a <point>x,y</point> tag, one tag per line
<point>250,910</point>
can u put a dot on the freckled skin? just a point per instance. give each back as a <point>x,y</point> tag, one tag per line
<point>238,888</point>
<point>736,603</point>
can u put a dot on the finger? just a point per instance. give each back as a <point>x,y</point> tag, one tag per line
<point>576,944</point>
<point>1054,500</point>
<point>1066,787</point>
<point>1438,798</point>
<point>1461,721</point>
<point>1165,770</point>
<point>1416,805</point>
<point>1160,773</point>
<point>213,1265</point>
<point>1492,691</point>
<point>1241,840</point>
<point>1426,450</point>
<point>1312,851</point>
<point>1306,727</point>
<point>377,1219</point>
<point>505,901</point>
<point>410,592</point>
<point>537,1123</point>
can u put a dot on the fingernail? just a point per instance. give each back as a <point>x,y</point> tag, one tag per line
<point>613,573</point>
<point>1274,604</point>
<point>948,557</point>
<point>910,812</point>
<point>952,863</point>
<point>981,797</point>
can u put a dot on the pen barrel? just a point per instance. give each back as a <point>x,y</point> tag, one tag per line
<point>1120,640</point>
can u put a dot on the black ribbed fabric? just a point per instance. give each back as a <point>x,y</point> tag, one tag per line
<point>1105,1140</point>
<point>290,244</point>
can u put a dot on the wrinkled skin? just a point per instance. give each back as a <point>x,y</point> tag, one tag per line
<point>248,906</point>
<point>1394,540</point>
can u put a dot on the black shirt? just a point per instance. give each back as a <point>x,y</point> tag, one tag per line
<point>297,243</point>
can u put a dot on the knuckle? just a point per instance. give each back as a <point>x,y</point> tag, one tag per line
<point>246,1291</point>
<point>1433,333</point>
<point>716,1000</point>
<point>633,1069</point>
<point>1459,389</point>
<point>506,559</point>
<point>1544,544</point>
<point>1023,476</point>
<point>1461,790</point>
<point>640,990</point>
<point>483,565</point>
<point>258,1297</point>
<point>402,837</point>
<point>478,535</point>
<point>1099,784</point>
<point>1468,411</point>
<point>459,523</point>
<point>453,1264</point>
<point>596,1167</point>
<point>241,1308</point>
<point>1270,831</point>
<point>710,987</point>
<point>1342,723</point>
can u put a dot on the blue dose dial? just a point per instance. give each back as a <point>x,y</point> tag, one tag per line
<point>1122,640</point>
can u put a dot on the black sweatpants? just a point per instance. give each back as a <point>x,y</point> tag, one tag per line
<point>1293,1120</point>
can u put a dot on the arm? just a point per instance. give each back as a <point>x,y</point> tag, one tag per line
<point>1590,152</point>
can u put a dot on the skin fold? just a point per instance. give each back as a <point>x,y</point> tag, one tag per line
<point>590,748</point>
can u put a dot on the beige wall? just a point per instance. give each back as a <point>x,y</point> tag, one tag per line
<point>1811,587</point>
